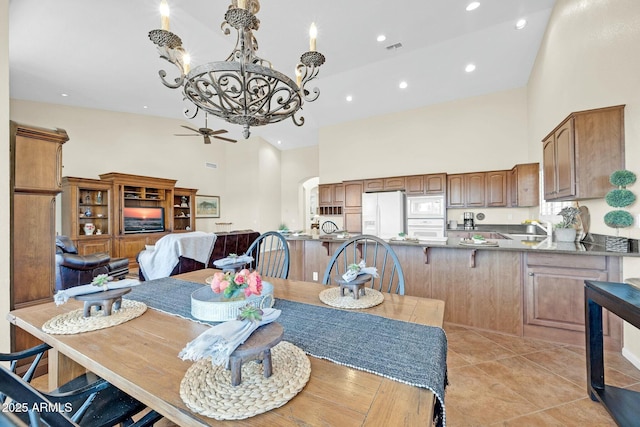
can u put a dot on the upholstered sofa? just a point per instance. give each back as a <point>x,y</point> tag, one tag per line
<point>233,242</point>
<point>73,269</point>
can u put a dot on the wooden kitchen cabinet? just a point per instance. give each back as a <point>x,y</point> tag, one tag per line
<point>455,191</point>
<point>496,189</point>
<point>524,185</point>
<point>325,194</point>
<point>330,199</point>
<point>581,153</point>
<point>486,296</point>
<point>35,173</point>
<point>417,185</point>
<point>384,184</point>
<point>466,190</point>
<point>353,206</point>
<point>554,296</point>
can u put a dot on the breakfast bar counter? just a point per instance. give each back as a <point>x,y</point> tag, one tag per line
<point>517,286</point>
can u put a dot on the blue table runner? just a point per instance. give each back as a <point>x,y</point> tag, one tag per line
<point>402,351</point>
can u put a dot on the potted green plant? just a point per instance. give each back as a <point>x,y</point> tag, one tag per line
<point>566,229</point>
<point>619,197</point>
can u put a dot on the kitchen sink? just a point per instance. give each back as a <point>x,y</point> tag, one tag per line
<point>528,237</point>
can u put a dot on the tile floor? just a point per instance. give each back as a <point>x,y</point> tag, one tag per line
<point>498,380</point>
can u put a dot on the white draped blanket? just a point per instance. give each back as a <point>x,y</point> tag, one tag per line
<point>159,262</point>
<point>63,296</point>
<point>222,339</point>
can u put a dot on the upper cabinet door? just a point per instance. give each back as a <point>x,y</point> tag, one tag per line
<point>565,161</point>
<point>475,189</point>
<point>581,153</point>
<point>455,191</point>
<point>496,189</point>
<point>435,183</point>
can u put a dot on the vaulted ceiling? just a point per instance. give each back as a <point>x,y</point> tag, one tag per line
<point>99,55</point>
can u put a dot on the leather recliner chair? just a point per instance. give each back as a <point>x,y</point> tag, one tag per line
<point>74,270</point>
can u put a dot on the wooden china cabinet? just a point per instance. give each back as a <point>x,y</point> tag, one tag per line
<point>183,214</point>
<point>87,201</point>
<point>35,181</point>
<point>102,202</point>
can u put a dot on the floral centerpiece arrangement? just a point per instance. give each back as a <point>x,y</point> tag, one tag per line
<point>232,285</point>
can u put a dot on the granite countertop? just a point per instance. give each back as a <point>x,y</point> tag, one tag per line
<point>594,246</point>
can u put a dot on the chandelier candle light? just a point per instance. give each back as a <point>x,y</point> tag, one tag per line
<point>244,89</point>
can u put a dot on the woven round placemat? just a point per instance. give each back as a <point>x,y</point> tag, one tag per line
<point>332,297</point>
<point>206,389</point>
<point>73,322</point>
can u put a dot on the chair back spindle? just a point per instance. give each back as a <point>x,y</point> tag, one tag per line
<point>376,253</point>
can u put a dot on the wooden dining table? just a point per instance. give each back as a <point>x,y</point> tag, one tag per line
<point>141,358</point>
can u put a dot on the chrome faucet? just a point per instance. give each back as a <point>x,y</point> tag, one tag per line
<point>547,228</point>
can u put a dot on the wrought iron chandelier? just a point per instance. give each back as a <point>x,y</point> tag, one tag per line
<point>244,89</point>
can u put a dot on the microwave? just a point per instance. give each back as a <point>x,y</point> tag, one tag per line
<point>426,207</point>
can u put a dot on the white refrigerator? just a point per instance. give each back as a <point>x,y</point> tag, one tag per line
<point>383,214</point>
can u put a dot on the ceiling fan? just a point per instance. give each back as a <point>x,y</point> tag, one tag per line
<point>206,133</point>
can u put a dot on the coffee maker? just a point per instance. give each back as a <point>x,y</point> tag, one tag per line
<point>468,221</point>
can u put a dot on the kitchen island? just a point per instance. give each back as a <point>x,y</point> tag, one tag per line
<point>531,288</point>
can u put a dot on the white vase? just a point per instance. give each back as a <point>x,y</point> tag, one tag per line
<point>89,228</point>
<point>565,234</point>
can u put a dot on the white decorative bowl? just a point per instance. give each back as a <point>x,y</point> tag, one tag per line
<point>212,307</point>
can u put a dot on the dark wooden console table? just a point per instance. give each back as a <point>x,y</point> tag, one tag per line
<point>622,300</point>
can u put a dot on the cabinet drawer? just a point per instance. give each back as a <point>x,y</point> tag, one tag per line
<point>570,261</point>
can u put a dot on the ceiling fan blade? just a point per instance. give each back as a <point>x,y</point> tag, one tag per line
<point>207,140</point>
<point>218,132</point>
<point>186,134</point>
<point>190,128</point>
<point>225,139</point>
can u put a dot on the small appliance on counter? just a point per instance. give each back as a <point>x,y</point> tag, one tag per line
<point>468,221</point>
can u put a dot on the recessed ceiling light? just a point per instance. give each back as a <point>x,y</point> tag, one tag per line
<point>403,85</point>
<point>349,98</point>
<point>279,142</point>
<point>470,68</point>
<point>381,38</point>
<point>64,94</point>
<point>473,6</point>
<point>521,24</point>
<point>145,107</point>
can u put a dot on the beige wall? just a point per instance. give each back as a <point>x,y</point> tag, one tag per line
<point>482,133</point>
<point>104,141</point>
<point>4,175</point>
<point>589,59</point>
<point>297,167</point>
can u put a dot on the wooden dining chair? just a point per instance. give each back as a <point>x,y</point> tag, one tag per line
<point>87,400</point>
<point>270,253</point>
<point>376,253</point>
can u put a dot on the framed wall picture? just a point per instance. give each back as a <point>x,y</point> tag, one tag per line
<point>207,206</point>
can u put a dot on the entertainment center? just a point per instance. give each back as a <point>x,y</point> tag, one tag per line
<point>121,213</point>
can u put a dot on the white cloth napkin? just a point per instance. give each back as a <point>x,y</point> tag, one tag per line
<point>232,260</point>
<point>63,296</point>
<point>221,340</point>
<point>350,275</point>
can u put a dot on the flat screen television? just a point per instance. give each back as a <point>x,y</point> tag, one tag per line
<point>143,220</point>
